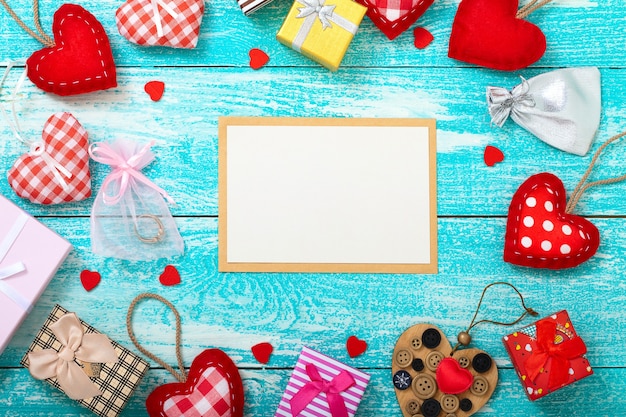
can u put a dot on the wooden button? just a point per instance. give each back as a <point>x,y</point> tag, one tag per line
<point>413,407</point>
<point>404,358</point>
<point>480,386</point>
<point>416,343</point>
<point>433,359</point>
<point>464,361</point>
<point>449,403</point>
<point>424,386</point>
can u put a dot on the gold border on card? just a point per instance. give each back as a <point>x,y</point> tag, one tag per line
<point>422,268</point>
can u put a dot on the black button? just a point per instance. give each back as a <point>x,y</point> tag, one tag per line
<point>465,404</point>
<point>431,408</point>
<point>402,380</point>
<point>481,363</point>
<point>431,338</point>
<point>417,365</point>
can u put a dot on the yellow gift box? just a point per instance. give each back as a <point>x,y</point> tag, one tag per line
<point>322,29</point>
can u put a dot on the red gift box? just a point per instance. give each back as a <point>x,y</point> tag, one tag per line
<point>548,355</point>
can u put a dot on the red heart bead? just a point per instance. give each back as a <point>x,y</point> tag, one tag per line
<point>258,58</point>
<point>80,61</point>
<point>262,352</point>
<point>451,378</point>
<point>422,38</point>
<point>213,388</point>
<point>488,33</point>
<point>492,155</point>
<point>540,234</point>
<point>154,89</point>
<point>355,346</point>
<point>89,279</point>
<point>170,276</point>
<point>393,18</point>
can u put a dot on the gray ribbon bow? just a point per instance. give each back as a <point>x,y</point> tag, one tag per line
<point>324,13</point>
<point>562,107</point>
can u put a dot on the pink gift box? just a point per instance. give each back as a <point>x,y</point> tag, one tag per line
<point>30,255</point>
<point>306,388</point>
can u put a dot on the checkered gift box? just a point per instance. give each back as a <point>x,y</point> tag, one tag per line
<point>117,381</point>
<point>395,16</point>
<point>169,23</point>
<point>56,170</point>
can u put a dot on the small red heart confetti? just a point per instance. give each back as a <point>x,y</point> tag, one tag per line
<point>262,352</point>
<point>493,155</point>
<point>89,279</point>
<point>258,58</point>
<point>423,37</point>
<point>170,276</point>
<point>355,346</point>
<point>155,89</point>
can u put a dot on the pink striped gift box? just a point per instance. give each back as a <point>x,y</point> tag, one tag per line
<point>330,371</point>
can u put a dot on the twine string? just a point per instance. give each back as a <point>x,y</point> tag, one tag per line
<point>474,323</point>
<point>41,36</point>
<point>530,7</point>
<point>581,187</point>
<point>182,376</point>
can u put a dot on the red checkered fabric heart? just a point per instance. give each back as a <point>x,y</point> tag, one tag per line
<point>37,175</point>
<point>180,22</point>
<point>211,397</point>
<point>395,16</point>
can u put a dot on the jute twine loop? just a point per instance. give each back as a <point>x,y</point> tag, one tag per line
<point>182,376</point>
<point>41,36</point>
<point>582,187</point>
<point>533,5</point>
<point>474,323</point>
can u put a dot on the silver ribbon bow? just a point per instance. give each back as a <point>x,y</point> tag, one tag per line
<point>91,348</point>
<point>317,7</point>
<point>562,107</point>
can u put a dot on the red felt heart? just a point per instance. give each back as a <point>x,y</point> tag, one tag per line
<point>262,352</point>
<point>154,89</point>
<point>422,38</point>
<point>451,378</point>
<point>492,155</point>
<point>540,234</point>
<point>258,58</point>
<point>170,276</point>
<point>64,146</point>
<point>89,279</point>
<point>213,389</point>
<point>487,33</point>
<point>80,61</point>
<point>393,18</point>
<point>355,346</point>
<point>135,21</point>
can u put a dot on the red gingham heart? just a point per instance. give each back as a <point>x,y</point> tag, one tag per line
<point>395,16</point>
<point>64,141</point>
<point>135,21</point>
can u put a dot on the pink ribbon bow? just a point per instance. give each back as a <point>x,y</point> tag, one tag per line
<point>91,348</point>
<point>316,386</point>
<point>126,169</point>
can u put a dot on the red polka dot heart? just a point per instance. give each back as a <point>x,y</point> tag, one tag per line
<point>540,234</point>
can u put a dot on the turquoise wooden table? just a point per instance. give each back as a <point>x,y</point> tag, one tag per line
<point>378,78</point>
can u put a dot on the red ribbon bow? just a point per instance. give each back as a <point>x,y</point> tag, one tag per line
<point>560,354</point>
<point>333,390</point>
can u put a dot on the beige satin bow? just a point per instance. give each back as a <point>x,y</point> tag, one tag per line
<point>92,348</point>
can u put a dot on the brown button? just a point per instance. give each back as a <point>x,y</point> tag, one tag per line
<point>404,358</point>
<point>424,386</point>
<point>413,407</point>
<point>416,343</point>
<point>479,386</point>
<point>433,359</point>
<point>464,361</point>
<point>449,403</point>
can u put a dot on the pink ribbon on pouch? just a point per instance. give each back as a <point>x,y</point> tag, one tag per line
<point>318,385</point>
<point>91,348</point>
<point>126,170</point>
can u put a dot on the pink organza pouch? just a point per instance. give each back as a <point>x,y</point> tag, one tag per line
<point>130,218</point>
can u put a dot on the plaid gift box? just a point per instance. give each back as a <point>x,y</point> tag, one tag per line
<point>322,29</point>
<point>250,6</point>
<point>322,386</point>
<point>116,380</point>
<point>548,355</point>
<point>393,17</point>
<point>30,255</point>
